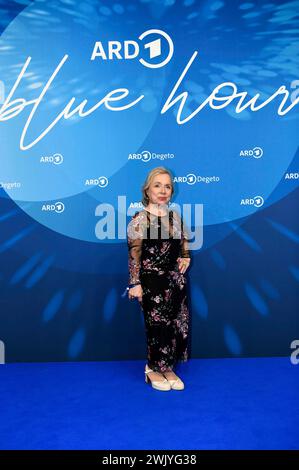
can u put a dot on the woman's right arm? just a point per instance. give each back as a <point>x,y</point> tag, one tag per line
<point>135,235</point>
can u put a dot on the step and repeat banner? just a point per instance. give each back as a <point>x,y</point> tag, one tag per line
<point>95,94</point>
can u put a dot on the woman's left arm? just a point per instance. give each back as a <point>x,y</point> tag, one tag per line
<point>184,258</point>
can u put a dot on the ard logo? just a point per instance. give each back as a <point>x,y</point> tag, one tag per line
<point>154,45</point>
<point>291,176</point>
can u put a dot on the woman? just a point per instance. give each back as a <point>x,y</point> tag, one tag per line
<point>158,260</point>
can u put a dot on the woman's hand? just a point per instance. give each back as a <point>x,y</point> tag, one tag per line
<point>135,292</point>
<point>183,264</point>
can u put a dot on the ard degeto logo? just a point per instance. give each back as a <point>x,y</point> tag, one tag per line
<point>191,178</point>
<point>154,49</point>
<point>145,156</point>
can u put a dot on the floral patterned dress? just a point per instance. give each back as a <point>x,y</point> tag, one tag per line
<point>155,243</point>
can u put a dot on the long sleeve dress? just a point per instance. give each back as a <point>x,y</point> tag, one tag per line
<point>155,243</point>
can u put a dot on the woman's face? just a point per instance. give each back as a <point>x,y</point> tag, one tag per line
<point>159,191</point>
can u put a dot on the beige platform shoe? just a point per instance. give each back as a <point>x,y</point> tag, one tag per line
<point>162,385</point>
<point>176,384</point>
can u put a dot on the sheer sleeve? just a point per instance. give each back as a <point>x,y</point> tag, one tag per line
<point>135,235</point>
<point>184,236</point>
<point>184,251</point>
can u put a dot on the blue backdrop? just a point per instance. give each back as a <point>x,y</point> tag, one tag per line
<point>61,285</point>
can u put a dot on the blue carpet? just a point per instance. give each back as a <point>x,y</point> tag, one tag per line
<point>248,403</point>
